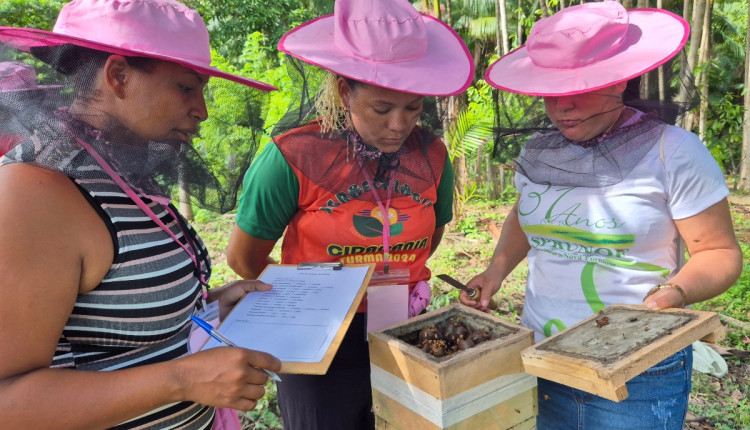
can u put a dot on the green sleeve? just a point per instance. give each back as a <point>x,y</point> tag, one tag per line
<point>444,203</point>
<point>270,195</point>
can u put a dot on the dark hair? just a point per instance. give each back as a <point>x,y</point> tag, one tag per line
<point>632,90</point>
<point>353,83</point>
<point>82,64</point>
<point>666,110</point>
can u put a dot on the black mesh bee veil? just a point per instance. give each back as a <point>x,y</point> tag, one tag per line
<point>525,137</point>
<point>57,127</point>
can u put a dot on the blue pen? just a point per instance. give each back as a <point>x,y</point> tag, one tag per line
<point>221,338</point>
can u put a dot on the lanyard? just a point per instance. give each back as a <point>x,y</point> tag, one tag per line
<point>384,211</point>
<point>192,253</point>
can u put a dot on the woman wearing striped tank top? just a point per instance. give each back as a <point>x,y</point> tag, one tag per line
<point>99,273</point>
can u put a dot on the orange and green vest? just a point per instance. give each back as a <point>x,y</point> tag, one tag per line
<point>336,216</point>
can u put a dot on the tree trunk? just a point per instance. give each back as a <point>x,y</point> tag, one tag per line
<point>686,17</point>
<point>744,180</point>
<point>503,24</point>
<point>696,25</point>
<point>661,74</point>
<point>646,78</point>
<point>705,56</point>
<point>543,7</point>
<point>501,177</point>
<point>478,177</point>
<point>498,30</point>
<point>491,179</point>
<point>186,209</point>
<point>477,52</point>
<point>519,26</point>
<point>447,111</point>
<point>461,179</point>
<point>686,10</point>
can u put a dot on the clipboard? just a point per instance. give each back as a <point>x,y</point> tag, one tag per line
<point>304,318</point>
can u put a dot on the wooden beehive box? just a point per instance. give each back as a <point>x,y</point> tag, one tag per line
<point>482,387</point>
<point>601,353</point>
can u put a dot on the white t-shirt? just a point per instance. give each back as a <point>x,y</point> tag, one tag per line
<point>595,247</point>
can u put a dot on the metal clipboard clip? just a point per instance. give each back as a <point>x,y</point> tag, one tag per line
<point>332,266</point>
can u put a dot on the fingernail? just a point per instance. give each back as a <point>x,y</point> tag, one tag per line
<point>651,305</point>
<point>484,303</point>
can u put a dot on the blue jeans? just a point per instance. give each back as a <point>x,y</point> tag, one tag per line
<point>657,399</point>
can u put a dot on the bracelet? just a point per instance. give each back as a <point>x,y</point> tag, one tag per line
<point>669,285</point>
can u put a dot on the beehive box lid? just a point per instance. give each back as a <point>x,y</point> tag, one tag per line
<point>601,353</point>
<point>447,376</point>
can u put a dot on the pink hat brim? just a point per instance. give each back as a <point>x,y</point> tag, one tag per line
<point>26,38</point>
<point>652,39</point>
<point>446,69</point>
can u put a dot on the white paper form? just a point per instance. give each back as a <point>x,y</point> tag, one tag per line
<point>299,317</point>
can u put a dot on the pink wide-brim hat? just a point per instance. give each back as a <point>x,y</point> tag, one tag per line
<point>160,29</point>
<point>386,43</point>
<point>587,47</point>
<point>18,77</point>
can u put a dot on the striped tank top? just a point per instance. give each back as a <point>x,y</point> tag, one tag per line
<point>140,313</point>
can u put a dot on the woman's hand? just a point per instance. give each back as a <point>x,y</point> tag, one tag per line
<point>225,377</point>
<point>510,250</point>
<point>665,296</point>
<point>230,294</point>
<point>488,284</point>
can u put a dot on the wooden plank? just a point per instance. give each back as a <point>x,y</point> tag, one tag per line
<point>388,354</point>
<point>393,415</point>
<point>529,424</point>
<point>587,368</point>
<point>715,336</point>
<point>497,359</point>
<point>466,405</point>
<point>517,413</point>
<point>510,414</point>
<point>601,388</point>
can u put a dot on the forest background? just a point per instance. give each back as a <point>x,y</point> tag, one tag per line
<point>244,35</point>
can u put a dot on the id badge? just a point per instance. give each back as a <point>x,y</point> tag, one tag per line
<point>387,299</point>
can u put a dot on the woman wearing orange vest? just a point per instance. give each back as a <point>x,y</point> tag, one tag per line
<point>359,182</point>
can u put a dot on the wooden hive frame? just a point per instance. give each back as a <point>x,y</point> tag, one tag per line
<point>607,379</point>
<point>481,387</point>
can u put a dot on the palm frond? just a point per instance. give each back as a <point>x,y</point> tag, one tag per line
<point>483,28</point>
<point>468,134</point>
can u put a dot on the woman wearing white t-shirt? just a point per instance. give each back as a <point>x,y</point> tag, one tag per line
<point>605,199</point>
